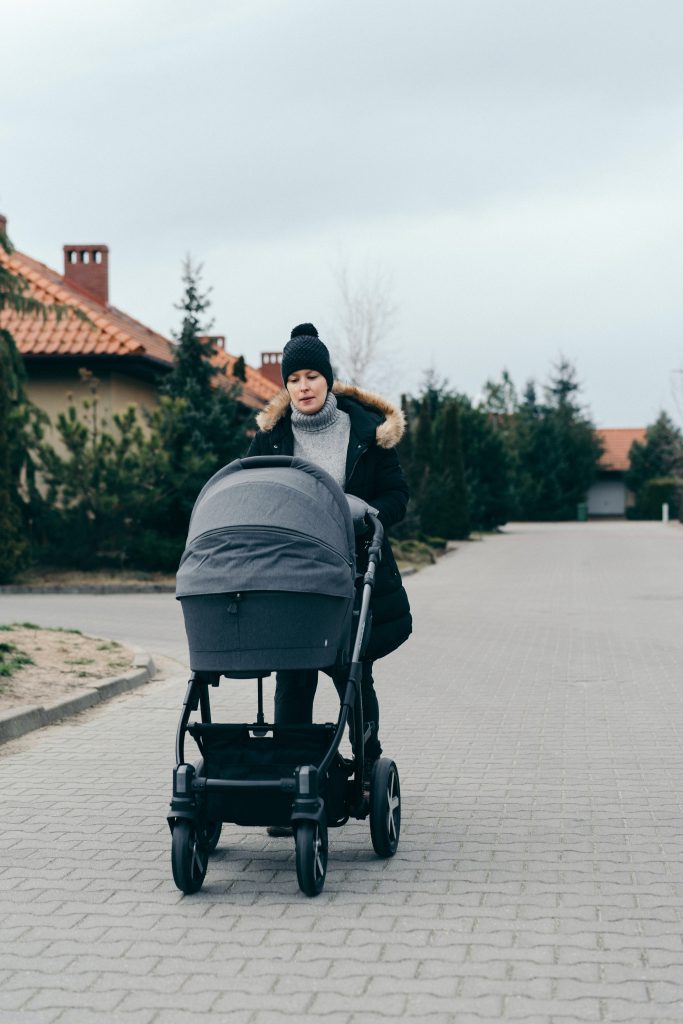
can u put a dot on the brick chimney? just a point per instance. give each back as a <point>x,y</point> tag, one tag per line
<point>86,267</point>
<point>271,367</point>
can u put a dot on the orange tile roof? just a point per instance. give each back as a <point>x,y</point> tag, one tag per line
<point>257,390</point>
<point>617,442</point>
<point>110,332</point>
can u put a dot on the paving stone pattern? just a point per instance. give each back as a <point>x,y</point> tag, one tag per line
<point>536,718</point>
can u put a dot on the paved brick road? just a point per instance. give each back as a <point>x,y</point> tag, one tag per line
<point>540,872</point>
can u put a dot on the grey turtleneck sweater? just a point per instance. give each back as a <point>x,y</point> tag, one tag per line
<point>323,437</point>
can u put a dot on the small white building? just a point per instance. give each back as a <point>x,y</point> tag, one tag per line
<point>608,496</point>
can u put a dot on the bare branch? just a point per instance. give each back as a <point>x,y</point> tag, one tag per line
<point>677,391</point>
<point>364,317</point>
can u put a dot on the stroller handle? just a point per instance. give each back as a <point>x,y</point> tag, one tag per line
<point>264,461</point>
<point>360,513</point>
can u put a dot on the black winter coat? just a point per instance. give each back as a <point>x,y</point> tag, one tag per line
<point>374,474</point>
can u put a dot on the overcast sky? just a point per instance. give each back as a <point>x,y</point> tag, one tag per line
<point>516,166</point>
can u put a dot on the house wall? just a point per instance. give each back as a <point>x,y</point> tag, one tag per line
<point>125,391</point>
<point>54,392</point>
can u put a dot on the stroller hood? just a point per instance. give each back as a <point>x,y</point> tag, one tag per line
<point>266,524</point>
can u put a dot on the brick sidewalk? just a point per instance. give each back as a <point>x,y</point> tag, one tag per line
<point>540,871</point>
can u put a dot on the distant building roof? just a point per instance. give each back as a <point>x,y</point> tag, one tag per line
<point>617,443</point>
<point>108,331</point>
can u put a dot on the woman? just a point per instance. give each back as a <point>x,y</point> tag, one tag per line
<point>353,435</point>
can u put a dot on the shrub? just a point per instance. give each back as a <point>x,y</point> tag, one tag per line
<point>655,493</point>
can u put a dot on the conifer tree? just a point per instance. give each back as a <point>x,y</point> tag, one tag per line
<point>422,442</point>
<point>660,456</point>
<point>409,527</point>
<point>487,467</point>
<point>421,469</point>
<point>13,548</point>
<point>213,421</point>
<point>208,427</point>
<point>449,515</point>
<point>655,473</point>
<point>18,417</point>
<point>192,368</point>
<point>555,449</point>
<point>406,445</point>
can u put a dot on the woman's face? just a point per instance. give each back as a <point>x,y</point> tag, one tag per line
<point>307,390</point>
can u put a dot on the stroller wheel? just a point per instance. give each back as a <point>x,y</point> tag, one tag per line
<point>311,856</point>
<point>189,857</point>
<point>385,808</point>
<point>211,833</point>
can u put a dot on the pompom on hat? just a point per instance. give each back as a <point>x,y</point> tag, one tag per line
<point>305,351</point>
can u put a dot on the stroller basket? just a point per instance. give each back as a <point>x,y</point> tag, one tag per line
<point>255,630</point>
<point>240,752</point>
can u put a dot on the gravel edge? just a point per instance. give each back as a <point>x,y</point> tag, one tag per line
<point>17,722</point>
<point>108,588</point>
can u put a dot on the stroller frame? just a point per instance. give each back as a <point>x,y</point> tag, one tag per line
<point>196,830</point>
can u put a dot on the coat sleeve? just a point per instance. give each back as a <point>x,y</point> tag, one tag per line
<point>391,492</point>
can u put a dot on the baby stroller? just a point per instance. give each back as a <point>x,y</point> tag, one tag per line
<point>269,581</point>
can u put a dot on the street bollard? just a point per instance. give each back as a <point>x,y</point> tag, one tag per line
<point>665,512</point>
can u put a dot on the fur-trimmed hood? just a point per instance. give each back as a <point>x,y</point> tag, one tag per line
<point>388,433</point>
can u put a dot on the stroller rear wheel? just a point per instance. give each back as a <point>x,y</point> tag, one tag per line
<point>311,856</point>
<point>189,857</point>
<point>210,830</point>
<point>385,807</point>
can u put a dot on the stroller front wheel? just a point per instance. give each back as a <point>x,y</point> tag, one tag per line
<point>311,856</point>
<point>189,857</point>
<point>211,833</point>
<point>385,808</point>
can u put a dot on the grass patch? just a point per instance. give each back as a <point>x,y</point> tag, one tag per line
<point>11,659</point>
<point>414,552</point>
<point>80,661</point>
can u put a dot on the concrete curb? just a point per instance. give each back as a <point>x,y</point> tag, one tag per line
<point>91,588</point>
<point>18,721</point>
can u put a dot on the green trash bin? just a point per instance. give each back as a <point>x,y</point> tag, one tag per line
<point>582,512</point>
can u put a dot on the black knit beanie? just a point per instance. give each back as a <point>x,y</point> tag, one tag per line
<point>305,351</point>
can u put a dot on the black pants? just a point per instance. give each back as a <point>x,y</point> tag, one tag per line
<point>295,693</point>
